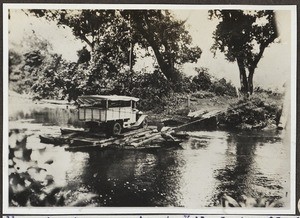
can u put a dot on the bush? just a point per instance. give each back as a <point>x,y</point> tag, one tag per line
<point>222,87</point>
<point>182,84</point>
<point>151,89</point>
<point>202,81</point>
<point>257,110</point>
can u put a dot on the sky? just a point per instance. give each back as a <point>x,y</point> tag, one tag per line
<point>272,71</point>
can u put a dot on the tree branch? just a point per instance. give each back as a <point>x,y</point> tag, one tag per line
<point>83,37</point>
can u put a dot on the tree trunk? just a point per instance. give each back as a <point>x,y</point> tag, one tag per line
<point>250,80</point>
<point>130,56</point>
<point>165,67</point>
<point>243,77</point>
<point>163,64</point>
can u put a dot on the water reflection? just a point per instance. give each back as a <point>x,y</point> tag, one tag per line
<point>249,170</point>
<point>237,176</point>
<point>60,116</point>
<point>147,179</point>
<point>211,163</point>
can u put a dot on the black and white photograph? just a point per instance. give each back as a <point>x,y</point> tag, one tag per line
<point>169,108</point>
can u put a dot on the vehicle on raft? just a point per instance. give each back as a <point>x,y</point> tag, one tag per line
<point>110,113</point>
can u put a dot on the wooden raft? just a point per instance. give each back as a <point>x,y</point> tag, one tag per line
<point>134,139</point>
<point>128,139</point>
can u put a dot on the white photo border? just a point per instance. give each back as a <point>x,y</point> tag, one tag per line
<point>146,210</point>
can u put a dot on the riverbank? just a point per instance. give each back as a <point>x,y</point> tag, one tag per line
<point>260,111</point>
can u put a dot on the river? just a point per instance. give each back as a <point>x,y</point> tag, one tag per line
<point>255,165</point>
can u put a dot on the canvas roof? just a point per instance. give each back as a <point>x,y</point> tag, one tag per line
<point>94,99</point>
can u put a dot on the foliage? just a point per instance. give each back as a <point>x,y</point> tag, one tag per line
<point>243,36</point>
<point>24,75</point>
<point>222,87</point>
<point>104,67</point>
<point>203,94</point>
<point>112,35</point>
<point>107,35</point>
<point>14,59</point>
<point>151,89</point>
<point>202,81</point>
<point>25,65</point>
<point>84,56</point>
<point>86,25</point>
<point>49,76</point>
<point>167,36</point>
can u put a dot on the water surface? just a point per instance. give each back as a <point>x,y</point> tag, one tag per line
<point>210,163</point>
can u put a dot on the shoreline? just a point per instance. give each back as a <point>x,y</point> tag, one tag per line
<point>180,109</point>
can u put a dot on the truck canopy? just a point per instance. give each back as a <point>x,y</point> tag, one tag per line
<point>98,99</point>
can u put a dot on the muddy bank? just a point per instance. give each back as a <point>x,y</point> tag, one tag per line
<point>260,111</point>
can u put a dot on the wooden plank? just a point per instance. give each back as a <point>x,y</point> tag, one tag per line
<point>153,137</point>
<point>123,141</point>
<point>147,138</point>
<point>106,142</point>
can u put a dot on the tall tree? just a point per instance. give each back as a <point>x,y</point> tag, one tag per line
<point>243,37</point>
<point>167,36</point>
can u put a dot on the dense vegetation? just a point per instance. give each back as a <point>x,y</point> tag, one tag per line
<point>49,76</point>
<point>116,39</point>
<point>257,112</point>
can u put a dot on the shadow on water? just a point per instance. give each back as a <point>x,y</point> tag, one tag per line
<point>242,175</point>
<point>133,178</point>
<point>237,176</point>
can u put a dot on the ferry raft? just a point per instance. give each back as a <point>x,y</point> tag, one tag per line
<point>114,122</point>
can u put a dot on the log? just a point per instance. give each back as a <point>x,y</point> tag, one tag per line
<point>69,130</point>
<point>106,142</point>
<point>47,139</point>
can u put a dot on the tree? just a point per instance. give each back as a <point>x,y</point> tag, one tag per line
<point>243,37</point>
<point>167,36</point>
<point>106,33</point>
<point>112,35</point>
<point>86,25</point>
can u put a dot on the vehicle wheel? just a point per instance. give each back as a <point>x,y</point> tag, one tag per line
<point>116,129</point>
<point>144,124</point>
